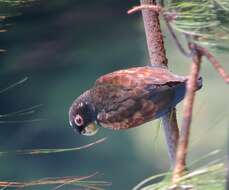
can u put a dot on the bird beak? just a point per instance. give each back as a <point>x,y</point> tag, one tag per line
<point>90,130</point>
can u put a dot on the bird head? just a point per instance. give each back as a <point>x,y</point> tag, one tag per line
<point>82,117</point>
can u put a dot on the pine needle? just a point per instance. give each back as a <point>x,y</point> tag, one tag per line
<point>14,85</point>
<point>22,121</point>
<point>59,182</point>
<point>206,20</point>
<point>22,112</point>
<point>51,151</point>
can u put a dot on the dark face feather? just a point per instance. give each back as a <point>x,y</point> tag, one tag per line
<point>82,115</point>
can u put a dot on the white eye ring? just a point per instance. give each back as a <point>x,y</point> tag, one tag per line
<point>79,120</point>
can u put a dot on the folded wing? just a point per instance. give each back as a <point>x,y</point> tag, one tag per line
<point>134,96</point>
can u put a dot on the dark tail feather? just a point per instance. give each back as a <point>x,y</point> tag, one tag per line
<point>180,91</point>
<point>199,83</point>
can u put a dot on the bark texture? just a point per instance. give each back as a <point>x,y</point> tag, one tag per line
<point>157,56</point>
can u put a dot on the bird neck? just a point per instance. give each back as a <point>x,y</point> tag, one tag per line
<point>91,108</point>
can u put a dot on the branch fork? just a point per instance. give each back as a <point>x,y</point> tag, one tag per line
<point>177,146</point>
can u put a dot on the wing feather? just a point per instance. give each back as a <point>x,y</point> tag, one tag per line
<point>136,76</point>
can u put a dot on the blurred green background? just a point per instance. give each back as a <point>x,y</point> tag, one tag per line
<point>63,47</point>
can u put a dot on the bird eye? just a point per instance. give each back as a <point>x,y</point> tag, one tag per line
<point>79,120</point>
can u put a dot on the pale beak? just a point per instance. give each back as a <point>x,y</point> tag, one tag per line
<point>90,130</point>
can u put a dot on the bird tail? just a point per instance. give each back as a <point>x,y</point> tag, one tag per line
<point>199,83</point>
<point>180,90</point>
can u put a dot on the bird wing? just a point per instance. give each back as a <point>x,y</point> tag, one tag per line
<point>136,76</point>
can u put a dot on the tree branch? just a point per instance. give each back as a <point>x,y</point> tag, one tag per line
<point>154,36</point>
<point>157,56</point>
<point>187,117</point>
<point>150,12</point>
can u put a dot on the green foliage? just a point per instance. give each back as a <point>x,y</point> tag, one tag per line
<point>15,2</point>
<point>9,8</point>
<point>210,176</point>
<point>206,20</point>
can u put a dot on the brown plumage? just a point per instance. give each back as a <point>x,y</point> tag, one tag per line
<point>127,98</point>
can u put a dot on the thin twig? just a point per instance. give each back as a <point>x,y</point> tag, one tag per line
<point>215,63</point>
<point>187,117</point>
<point>180,47</point>
<point>155,8</point>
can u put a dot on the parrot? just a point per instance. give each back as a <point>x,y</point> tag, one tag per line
<point>127,98</point>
